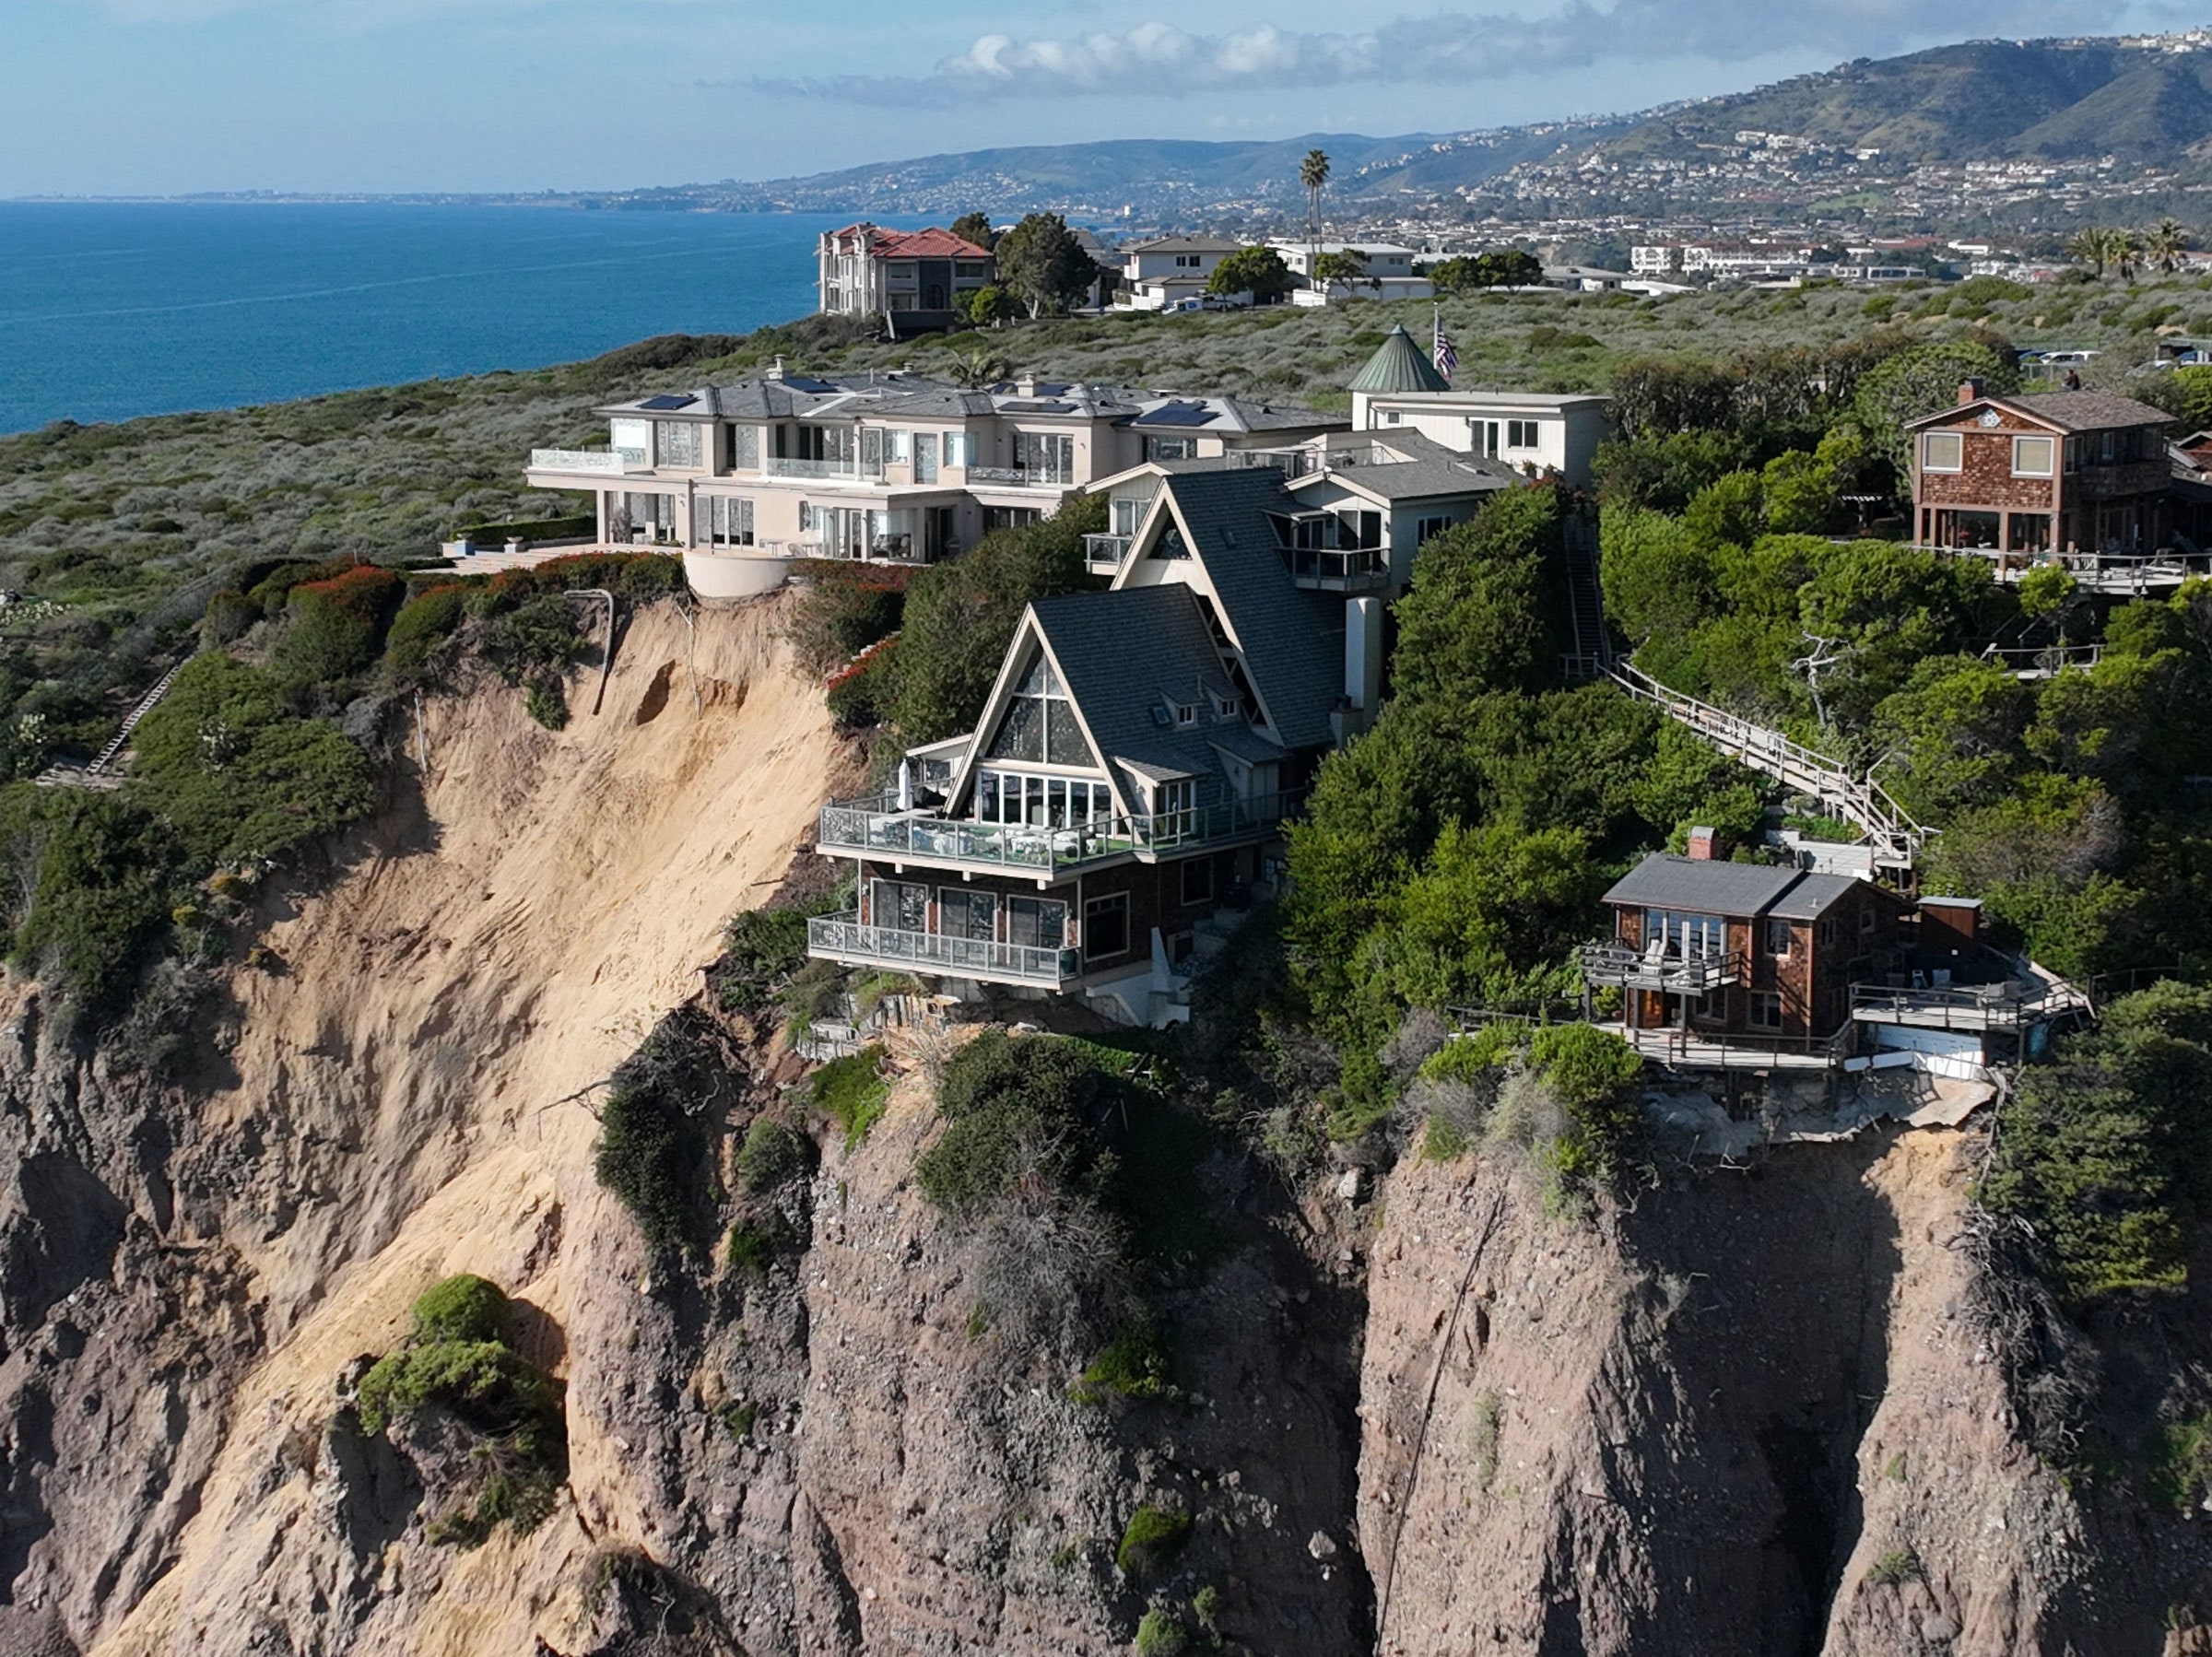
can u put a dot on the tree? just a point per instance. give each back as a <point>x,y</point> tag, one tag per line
<point>1259,271</point>
<point>973,370</point>
<point>2165,243</point>
<point>2087,246</point>
<point>2125,250</point>
<point>973,227</point>
<point>1504,268</point>
<point>1314,173</point>
<point>1042,264</point>
<point>1480,615</point>
<point>1923,380</point>
<point>1348,267</point>
<point>989,306</point>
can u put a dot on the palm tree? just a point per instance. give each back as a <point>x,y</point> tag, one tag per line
<point>2125,250</point>
<point>2165,243</point>
<point>974,370</point>
<point>2091,247</point>
<point>1314,173</point>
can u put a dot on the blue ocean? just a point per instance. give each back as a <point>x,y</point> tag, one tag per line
<point>110,310</point>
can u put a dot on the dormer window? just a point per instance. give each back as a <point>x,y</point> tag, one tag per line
<point>1186,715</point>
<point>1226,707</point>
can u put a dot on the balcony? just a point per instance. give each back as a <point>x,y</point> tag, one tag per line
<point>599,463</point>
<point>781,465</point>
<point>1014,477</point>
<point>843,938</point>
<point>1322,569</point>
<point>1103,554</point>
<point>2013,1004</point>
<point>1668,974</point>
<point>875,828</point>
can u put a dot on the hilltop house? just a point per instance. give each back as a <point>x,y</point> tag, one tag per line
<point>1132,770</point>
<point>1159,274</point>
<point>918,278</point>
<point>1400,391</point>
<point>1389,273</point>
<point>1727,964</point>
<point>2038,473</point>
<point>887,466</point>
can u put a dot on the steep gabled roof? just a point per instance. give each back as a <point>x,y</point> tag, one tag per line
<point>2062,411</point>
<point>1292,641</point>
<point>1398,365</point>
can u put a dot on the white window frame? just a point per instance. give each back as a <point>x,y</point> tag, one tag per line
<point>1928,439</point>
<point>2050,465</point>
<point>1096,906</point>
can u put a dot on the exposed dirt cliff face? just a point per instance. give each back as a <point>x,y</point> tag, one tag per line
<point>1757,1415</point>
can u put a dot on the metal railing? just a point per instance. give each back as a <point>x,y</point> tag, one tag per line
<point>1895,838</point>
<point>606,462</point>
<point>1675,974</point>
<point>2005,1005</point>
<point>1338,570</point>
<point>781,465</point>
<point>1105,553</point>
<point>842,937</point>
<point>877,827</point>
<point>1020,477</point>
<point>1735,1050</point>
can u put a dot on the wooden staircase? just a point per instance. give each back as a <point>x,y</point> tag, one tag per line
<point>130,721</point>
<point>1590,647</point>
<point>1894,838</point>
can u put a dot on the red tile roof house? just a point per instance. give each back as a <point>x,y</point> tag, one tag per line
<point>2021,477</point>
<point>917,277</point>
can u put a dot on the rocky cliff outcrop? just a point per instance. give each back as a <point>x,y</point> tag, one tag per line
<point>1758,1411</point>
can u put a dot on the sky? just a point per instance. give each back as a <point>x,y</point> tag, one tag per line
<point>173,97</point>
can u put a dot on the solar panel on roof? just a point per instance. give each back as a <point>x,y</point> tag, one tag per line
<point>1175,413</point>
<point>799,383</point>
<point>667,401</point>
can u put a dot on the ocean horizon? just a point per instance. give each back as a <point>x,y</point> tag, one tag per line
<point>110,310</point>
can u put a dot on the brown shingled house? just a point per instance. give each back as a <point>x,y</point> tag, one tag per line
<point>2042,473</point>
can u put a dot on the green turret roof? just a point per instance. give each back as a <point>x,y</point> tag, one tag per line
<point>1398,366</point>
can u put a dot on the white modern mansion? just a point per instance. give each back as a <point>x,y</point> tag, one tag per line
<point>889,465</point>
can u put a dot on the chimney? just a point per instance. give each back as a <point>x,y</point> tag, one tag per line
<point>1701,844</point>
<point>777,372</point>
<point>1970,391</point>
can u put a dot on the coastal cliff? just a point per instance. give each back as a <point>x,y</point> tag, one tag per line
<point>1755,1410</point>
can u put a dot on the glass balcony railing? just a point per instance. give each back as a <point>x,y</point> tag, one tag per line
<point>781,465</point>
<point>604,463</point>
<point>1329,570</point>
<point>1104,553</point>
<point>877,828</point>
<point>843,938</point>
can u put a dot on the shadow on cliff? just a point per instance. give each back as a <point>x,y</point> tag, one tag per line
<point>1769,1288</point>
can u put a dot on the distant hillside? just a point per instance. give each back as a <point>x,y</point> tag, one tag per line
<point>2076,120</point>
<point>2054,100</point>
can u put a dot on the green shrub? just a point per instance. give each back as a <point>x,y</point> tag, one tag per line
<point>1013,1106</point>
<point>1135,1366</point>
<point>645,1155</point>
<point>1161,1633</point>
<point>1593,1074</point>
<point>226,759</point>
<point>739,1419</point>
<point>548,704</point>
<point>229,614</point>
<point>463,1308</point>
<point>752,1249</point>
<point>423,623</point>
<point>336,626</point>
<point>1154,1536</point>
<point>1894,1568</point>
<point>853,1092</point>
<point>2180,1464</point>
<point>842,614</point>
<point>771,1154</point>
<point>104,878</point>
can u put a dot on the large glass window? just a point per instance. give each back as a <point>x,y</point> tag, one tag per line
<point>1041,802</point>
<point>1037,922</point>
<point>2031,456</point>
<point>1106,927</point>
<point>1175,809</point>
<point>1040,725</point>
<point>745,446</point>
<point>926,457</point>
<point>729,522</point>
<point>1942,451</point>
<point>964,913</point>
<point>1047,457</point>
<point>675,444</point>
<point>1694,937</point>
<point>899,906</point>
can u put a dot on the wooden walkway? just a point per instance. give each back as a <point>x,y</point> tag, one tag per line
<point>1895,839</point>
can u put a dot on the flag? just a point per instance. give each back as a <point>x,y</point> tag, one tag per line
<point>1446,354</point>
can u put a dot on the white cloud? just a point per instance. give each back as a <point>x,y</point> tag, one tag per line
<point>1161,60</point>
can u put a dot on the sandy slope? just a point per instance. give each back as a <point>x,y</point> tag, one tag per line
<point>409,1068</point>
